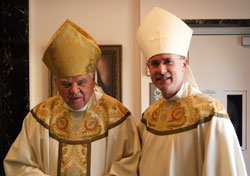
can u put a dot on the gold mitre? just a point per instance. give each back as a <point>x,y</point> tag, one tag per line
<point>71,52</point>
<point>162,32</point>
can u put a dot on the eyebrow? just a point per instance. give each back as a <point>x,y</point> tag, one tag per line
<point>65,82</point>
<point>83,79</point>
<point>159,60</point>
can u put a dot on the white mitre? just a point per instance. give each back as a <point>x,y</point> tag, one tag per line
<point>161,32</point>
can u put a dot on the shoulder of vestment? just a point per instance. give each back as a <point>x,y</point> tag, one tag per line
<point>184,112</point>
<point>108,108</point>
<point>44,110</point>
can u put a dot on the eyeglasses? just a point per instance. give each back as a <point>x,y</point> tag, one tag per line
<point>166,61</point>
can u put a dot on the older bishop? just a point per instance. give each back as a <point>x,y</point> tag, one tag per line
<point>80,131</point>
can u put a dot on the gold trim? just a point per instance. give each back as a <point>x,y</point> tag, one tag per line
<point>87,141</point>
<point>169,117</point>
<point>39,120</point>
<point>59,159</point>
<point>119,121</point>
<point>184,129</point>
<point>88,159</point>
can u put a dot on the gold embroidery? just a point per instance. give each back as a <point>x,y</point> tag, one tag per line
<point>62,123</point>
<point>164,116</point>
<point>74,160</point>
<point>75,126</point>
<point>72,129</point>
<point>76,130</point>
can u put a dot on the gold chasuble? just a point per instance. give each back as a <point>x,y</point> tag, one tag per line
<point>99,141</point>
<point>169,117</point>
<point>76,130</point>
<point>190,134</point>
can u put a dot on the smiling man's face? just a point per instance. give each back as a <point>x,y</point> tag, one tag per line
<point>76,91</point>
<point>167,73</point>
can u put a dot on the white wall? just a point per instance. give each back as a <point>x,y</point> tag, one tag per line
<point>107,21</point>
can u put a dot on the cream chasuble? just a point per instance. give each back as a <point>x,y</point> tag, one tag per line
<point>101,140</point>
<point>189,135</point>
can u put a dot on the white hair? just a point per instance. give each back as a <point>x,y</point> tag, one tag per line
<point>91,75</point>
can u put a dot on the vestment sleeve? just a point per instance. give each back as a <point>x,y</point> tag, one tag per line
<point>222,152</point>
<point>23,158</point>
<point>125,152</point>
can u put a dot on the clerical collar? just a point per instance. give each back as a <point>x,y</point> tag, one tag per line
<point>78,110</point>
<point>177,95</point>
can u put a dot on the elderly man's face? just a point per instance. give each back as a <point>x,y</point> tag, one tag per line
<point>76,91</point>
<point>167,73</point>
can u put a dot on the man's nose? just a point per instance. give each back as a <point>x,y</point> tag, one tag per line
<point>162,68</point>
<point>74,88</point>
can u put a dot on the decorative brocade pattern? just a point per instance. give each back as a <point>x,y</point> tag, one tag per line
<point>76,130</point>
<point>182,113</point>
<point>74,160</point>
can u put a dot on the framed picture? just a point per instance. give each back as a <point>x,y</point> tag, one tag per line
<point>154,93</point>
<point>108,74</point>
<point>109,70</point>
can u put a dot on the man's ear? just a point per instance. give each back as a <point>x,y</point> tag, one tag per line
<point>185,64</point>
